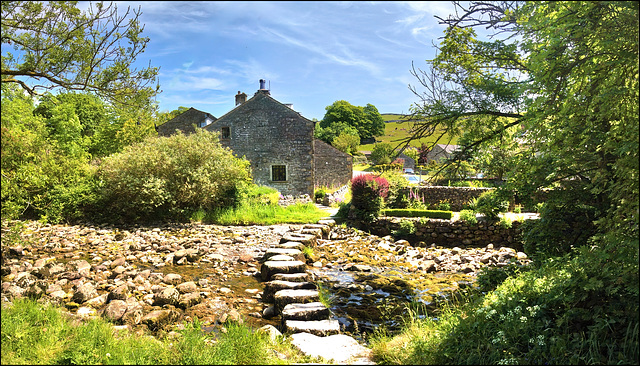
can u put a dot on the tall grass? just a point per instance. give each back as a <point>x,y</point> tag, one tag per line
<point>33,333</point>
<point>261,214</point>
<point>259,206</point>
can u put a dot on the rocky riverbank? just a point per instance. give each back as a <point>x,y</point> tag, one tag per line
<point>152,279</point>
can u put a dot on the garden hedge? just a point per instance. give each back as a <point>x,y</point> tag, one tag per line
<point>407,212</point>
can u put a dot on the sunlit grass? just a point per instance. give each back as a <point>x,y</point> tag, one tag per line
<point>33,333</point>
<point>394,132</point>
<point>263,214</point>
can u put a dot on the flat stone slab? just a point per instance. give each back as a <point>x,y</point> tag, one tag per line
<point>317,232</point>
<point>291,252</point>
<point>306,239</point>
<point>289,245</point>
<point>338,347</point>
<point>283,298</point>
<point>325,228</point>
<point>291,277</point>
<point>268,268</point>
<point>316,327</point>
<point>273,286</point>
<point>310,311</point>
<point>283,257</point>
<point>329,222</point>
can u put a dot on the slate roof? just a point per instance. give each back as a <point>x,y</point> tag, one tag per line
<point>186,122</point>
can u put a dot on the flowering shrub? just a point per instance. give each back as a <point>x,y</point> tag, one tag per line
<point>368,193</point>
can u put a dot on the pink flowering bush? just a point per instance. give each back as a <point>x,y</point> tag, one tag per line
<point>367,195</point>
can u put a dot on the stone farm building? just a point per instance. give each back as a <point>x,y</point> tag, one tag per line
<point>276,139</point>
<point>441,152</point>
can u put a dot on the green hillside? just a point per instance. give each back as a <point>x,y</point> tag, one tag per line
<point>397,129</point>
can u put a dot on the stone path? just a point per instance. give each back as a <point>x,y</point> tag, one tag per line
<point>296,299</point>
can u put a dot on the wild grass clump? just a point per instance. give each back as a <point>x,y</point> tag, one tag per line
<point>33,333</point>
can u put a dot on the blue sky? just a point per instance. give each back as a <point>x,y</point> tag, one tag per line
<point>310,53</point>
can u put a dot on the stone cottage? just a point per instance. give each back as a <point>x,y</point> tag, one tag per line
<point>440,152</point>
<point>187,122</point>
<point>278,142</point>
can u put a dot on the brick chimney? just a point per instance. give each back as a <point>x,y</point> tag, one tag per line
<point>241,98</point>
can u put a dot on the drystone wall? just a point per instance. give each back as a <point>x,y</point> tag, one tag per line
<point>449,233</point>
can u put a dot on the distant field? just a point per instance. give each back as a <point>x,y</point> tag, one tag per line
<point>396,130</point>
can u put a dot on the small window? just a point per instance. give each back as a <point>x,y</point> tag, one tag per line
<point>279,173</point>
<point>226,133</point>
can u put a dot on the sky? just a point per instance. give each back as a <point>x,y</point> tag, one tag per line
<point>310,54</point>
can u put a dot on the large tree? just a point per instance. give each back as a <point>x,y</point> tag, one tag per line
<point>366,120</point>
<point>565,75</point>
<point>55,45</point>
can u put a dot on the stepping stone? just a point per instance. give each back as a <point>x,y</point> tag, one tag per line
<point>338,347</point>
<point>310,311</point>
<point>283,298</point>
<point>282,257</point>
<point>317,232</point>
<point>291,277</point>
<point>329,222</point>
<point>295,253</point>
<point>325,229</point>
<point>273,286</point>
<point>306,239</point>
<point>316,327</point>
<point>290,245</point>
<point>270,267</point>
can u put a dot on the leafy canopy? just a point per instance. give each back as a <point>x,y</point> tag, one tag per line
<point>564,75</point>
<point>52,45</point>
<point>367,121</point>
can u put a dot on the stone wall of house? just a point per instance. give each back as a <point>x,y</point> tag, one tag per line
<point>449,233</point>
<point>457,197</point>
<point>269,133</point>
<point>333,168</point>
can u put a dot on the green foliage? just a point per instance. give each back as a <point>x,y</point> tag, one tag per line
<point>320,193</point>
<point>382,153</point>
<point>406,228</point>
<point>561,228</point>
<point>52,45</point>
<point>491,203</point>
<point>347,143</point>
<point>391,167</point>
<point>343,210</point>
<point>490,277</point>
<point>468,216</point>
<point>408,212</point>
<point>45,171</point>
<point>328,133</point>
<point>171,176</point>
<point>366,120</point>
<point>398,188</point>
